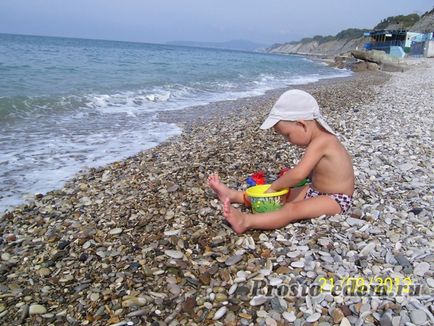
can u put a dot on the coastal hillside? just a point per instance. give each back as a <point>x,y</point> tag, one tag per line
<point>352,38</point>
<point>315,47</point>
<point>425,24</point>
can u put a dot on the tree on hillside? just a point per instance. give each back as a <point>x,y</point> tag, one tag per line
<point>351,33</point>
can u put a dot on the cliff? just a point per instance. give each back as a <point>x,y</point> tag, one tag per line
<point>316,48</point>
<point>425,24</point>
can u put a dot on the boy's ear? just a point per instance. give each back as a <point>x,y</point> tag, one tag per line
<point>302,124</point>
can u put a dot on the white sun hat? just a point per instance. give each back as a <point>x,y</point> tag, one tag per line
<point>294,105</point>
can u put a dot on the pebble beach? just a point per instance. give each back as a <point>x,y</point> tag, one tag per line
<point>143,241</point>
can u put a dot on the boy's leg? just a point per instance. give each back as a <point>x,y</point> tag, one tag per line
<point>291,212</point>
<point>224,192</point>
<point>296,194</point>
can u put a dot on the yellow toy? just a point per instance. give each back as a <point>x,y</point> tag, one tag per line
<point>262,202</point>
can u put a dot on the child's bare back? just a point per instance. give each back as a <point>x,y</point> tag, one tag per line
<point>334,172</point>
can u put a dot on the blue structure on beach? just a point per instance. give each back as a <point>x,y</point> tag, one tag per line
<point>383,40</point>
<point>398,42</point>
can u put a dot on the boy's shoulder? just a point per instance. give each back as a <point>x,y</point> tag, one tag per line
<point>326,145</point>
<point>324,140</point>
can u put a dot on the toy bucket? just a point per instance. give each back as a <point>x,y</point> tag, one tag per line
<point>265,202</point>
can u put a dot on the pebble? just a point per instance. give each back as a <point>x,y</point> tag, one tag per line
<point>262,314</point>
<point>134,301</point>
<point>174,254</point>
<point>283,270</point>
<point>63,244</point>
<point>345,322</point>
<point>189,305</point>
<point>293,254</point>
<point>233,260</point>
<point>258,300</point>
<point>298,264</point>
<point>402,260</point>
<point>172,232</point>
<point>94,297</point>
<point>396,321</point>
<point>140,312</point>
<point>233,288</point>
<point>289,316</point>
<point>275,281</point>
<point>220,313</point>
<point>5,256</point>
<point>270,321</point>
<point>418,317</point>
<point>421,268</point>
<point>386,319</point>
<point>220,297</point>
<point>44,271</point>
<point>313,318</point>
<point>245,315</point>
<point>37,309</point>
<point>337,315</point>
<point>115,231</point>
<point>367,249</point>
<point>355,221</point>
<point>10,237</point>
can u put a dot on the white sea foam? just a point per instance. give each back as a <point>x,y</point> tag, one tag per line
<point>43,164</point>
<point>176,97</point>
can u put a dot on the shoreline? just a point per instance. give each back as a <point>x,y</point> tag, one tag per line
<point>143,240</point>
<point>190,116</point>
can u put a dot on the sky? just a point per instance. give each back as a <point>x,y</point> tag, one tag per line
<point>159,21</point>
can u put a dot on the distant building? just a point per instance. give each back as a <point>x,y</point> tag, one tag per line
<point>398,42</point>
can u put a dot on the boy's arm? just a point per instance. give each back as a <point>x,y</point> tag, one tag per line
<point>314,152</point>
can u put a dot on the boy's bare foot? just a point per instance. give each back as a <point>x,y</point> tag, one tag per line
<point>220,189</point>
<point>234,217</point>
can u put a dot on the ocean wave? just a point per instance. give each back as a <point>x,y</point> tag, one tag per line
<point>150,100</point>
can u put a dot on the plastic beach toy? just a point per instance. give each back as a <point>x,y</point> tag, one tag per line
<point>265,202</point>
<point>302,183</point>
<point>259,178</point>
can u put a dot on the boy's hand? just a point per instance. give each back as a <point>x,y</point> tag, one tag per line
<point>270,190</point>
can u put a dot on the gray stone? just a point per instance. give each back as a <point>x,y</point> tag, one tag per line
<point>418,317</point>
<point>233,260</point>
<point>313,318</point>
<point>220,313</point>
<point>289,316</point>
<point>367,249</point>
<point>355,221</point>
<point>386,319</point>
<point>115,231</point>
<point>175,254</point>
<point>258,300</point>
<point>421,268</point>
<point>345,322</point>
<point>37,309</point>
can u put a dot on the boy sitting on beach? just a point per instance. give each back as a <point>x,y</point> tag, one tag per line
<point>296,117</point>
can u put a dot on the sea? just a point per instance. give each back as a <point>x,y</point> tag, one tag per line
<point>67,104</point>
